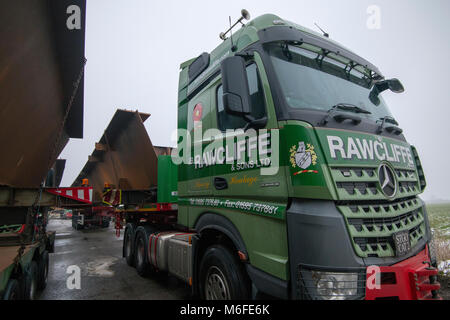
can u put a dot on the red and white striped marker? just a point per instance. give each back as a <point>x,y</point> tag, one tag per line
<point>81,194</point>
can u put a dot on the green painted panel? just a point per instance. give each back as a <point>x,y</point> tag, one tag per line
<point>167,180</point>
<point>264,237</point>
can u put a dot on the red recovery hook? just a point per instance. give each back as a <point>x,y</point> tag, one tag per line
<point>412,279</point>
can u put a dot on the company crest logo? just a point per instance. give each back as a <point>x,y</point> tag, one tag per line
<point>388,182</point>
<point>303,156</point>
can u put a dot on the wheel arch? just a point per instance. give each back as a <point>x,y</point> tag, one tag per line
<point>215,229</point>
<point>211,224</point>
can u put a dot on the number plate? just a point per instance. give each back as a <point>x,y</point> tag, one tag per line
<point>402,243</point>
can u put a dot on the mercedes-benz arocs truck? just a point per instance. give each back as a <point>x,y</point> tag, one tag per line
<point>291,177</point>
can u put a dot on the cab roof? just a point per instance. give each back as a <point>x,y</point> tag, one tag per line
<point>197,70</point>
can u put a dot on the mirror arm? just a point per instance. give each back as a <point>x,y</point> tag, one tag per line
<point>246,55</point>
<point>382,86</point>
<point>394,129</point>
<point>252,122</point>
<point>373,96</point>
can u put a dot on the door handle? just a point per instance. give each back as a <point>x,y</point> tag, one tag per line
<point>220,183</point>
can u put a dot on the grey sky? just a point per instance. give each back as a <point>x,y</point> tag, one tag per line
<point>134,49</point>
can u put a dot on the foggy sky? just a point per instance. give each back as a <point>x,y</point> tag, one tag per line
<point>134,49</point>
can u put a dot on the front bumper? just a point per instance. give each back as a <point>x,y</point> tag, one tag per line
<point>411,279</point>
<point>318,240</point>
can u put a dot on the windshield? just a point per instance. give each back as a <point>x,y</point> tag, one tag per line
<point>311,83</point>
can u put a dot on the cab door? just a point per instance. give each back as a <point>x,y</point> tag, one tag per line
<point>198,122</point>
<point>244,178</point>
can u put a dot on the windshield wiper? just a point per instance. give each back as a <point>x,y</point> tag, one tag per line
<point>350,107</point>
<point>335,113</point>
<point>393,128</point>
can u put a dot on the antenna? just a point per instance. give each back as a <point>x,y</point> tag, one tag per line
<point>231,32</point>
<point>244,15</point>
<point>326,35</point>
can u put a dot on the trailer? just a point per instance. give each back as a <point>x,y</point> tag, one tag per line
<point>122,159</point>
<point>25,245</point>
<point>41,96</point>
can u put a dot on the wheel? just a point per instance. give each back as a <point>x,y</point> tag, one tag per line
<point>128,248</point>
<point>12,291</point>
<point>222,276</point>
<point>30,281</point>
<point>43,271</point>
<point>141,259</point>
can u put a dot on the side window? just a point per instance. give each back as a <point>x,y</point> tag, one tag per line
<point>228,121</point>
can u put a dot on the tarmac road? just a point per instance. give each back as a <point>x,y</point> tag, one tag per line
<point>105,275</point>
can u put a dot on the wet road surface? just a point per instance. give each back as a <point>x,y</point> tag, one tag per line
<point>104,273</point>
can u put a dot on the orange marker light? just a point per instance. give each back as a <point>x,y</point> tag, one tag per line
<point>242,256</point>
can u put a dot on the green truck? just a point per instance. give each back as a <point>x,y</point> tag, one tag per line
<point>291,177</point>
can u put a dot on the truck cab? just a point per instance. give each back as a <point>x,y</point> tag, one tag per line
<point>290,159</point>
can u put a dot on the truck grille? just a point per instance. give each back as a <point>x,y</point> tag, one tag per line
<point>362,183</point>
<point>372,226</point>
<point>371,219</point>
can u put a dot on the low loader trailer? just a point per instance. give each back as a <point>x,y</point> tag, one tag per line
<point>41,106</point>
<point>291,178</point>
<point>25,243</point>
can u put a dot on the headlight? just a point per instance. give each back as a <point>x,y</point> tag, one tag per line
<point>333,285</point>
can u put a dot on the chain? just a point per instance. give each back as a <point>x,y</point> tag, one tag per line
<point>63,123</point>
<point>33,211</point>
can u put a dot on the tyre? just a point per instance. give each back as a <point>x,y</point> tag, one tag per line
<point>222,276</point>
<point>128,247</point>
<point>12,291</point>
<point>30,281</point>
<point>141,258</point>
<point>43,270</point>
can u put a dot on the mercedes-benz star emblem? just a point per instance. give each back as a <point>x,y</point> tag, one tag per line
<point>388,183</point>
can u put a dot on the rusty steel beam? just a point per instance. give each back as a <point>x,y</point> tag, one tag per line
<point>40,59</point>
<point>93,159</point>
<point>163,151</point>
<point>127,160</point>
<point>101,147</point>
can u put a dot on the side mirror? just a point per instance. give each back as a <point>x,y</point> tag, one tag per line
<point>236,93</point>
<point>393,84</point>
<point>396,86</point>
